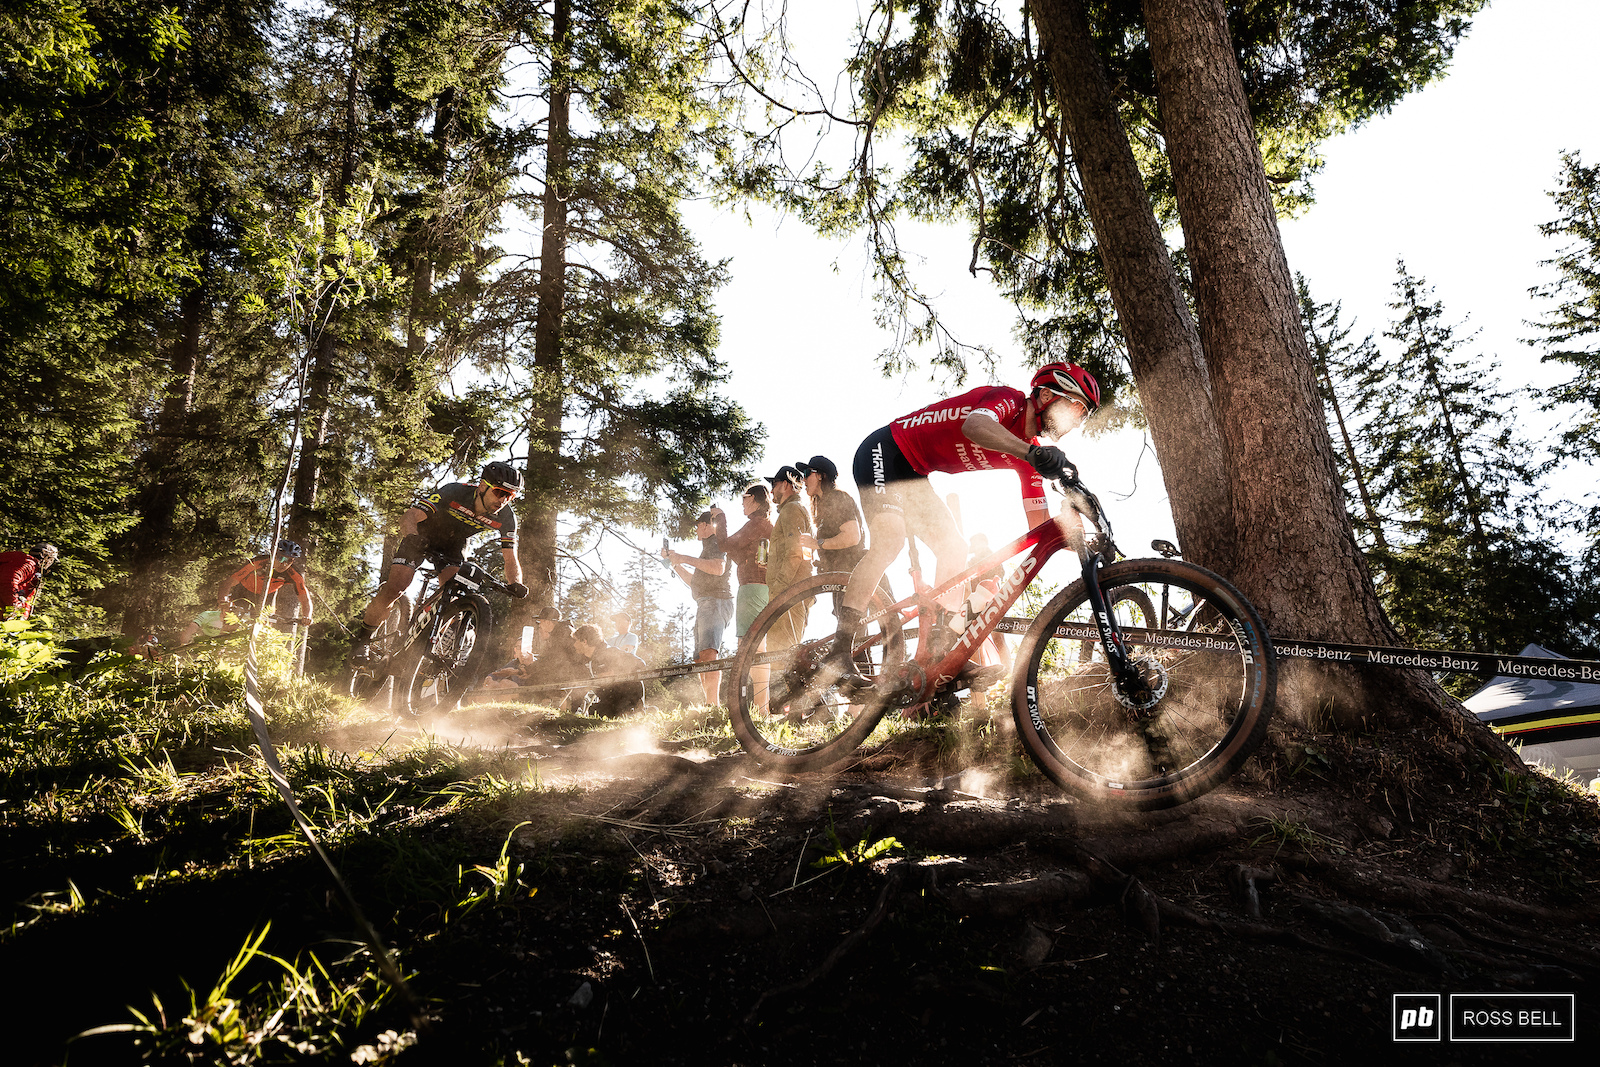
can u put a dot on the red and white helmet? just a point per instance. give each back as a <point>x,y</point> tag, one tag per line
<point>1069,379</point>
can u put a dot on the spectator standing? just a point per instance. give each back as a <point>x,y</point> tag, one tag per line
<point>21,575</point>
<point>748,547</point>
<point>706,575</point>
<point>840,540</point>
<point>787,562</point>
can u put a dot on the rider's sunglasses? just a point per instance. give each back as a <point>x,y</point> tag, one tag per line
<point>496,490</point>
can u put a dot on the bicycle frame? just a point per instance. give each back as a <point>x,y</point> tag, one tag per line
<point>1034,549</point>
<point>465,577</point>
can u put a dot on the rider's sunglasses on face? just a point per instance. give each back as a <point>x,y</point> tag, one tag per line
<point>503,494</point>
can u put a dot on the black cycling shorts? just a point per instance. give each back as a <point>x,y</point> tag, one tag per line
<point>879,466</point>
<point>414,555</point>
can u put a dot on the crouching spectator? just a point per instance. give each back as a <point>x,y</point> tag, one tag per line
<point>618,698</point>
<point>550,658</point>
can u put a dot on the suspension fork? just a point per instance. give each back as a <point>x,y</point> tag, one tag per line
<point>1111,639</point>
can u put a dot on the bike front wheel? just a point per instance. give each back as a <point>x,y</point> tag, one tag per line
<point>779,714</point>
<point>1201,708</point>
<point>1132,608</point>
<point>452,660</point>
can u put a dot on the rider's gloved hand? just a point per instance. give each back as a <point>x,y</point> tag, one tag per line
<point>518,590</point>
<point>1048,460</point>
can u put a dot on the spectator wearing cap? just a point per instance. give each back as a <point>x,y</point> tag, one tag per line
<point>706,575</point>
<point>787,562</point>
<point>748,547</point>
<point>839,543</point>
<point>21,575</point>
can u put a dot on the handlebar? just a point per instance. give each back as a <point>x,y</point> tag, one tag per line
<point>468,573</point>
<point>1085,503</point>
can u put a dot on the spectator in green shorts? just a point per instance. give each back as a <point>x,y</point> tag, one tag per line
<point>747,547</point>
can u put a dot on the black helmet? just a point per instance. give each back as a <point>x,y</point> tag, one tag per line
<point>46,554</point>
<point>504,475</point>
<point>290,548</point>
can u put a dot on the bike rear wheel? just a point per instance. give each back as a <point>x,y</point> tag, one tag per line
<point>366,679</point>
<point>452,661</point>
<point>1209,695</point>
<point>781,719</point>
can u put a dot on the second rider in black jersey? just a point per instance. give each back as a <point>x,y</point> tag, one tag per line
<point>441,524</point>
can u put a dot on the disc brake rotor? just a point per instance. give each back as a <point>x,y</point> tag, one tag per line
<point>1153,686</point>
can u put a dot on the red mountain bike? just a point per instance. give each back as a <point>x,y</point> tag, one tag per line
<point>1111,704</point>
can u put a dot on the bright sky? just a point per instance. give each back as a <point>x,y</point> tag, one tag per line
<point>1455,181</point>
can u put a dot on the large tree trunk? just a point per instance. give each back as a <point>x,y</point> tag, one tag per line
<point>1298,561</point>
<point>150,542</point>
<point>1299,564</point>
<point>316,429</point>
<point>1163,346</point>
<point>542,500</point>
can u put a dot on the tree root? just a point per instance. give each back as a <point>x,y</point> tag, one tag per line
<point>880,910</point>
<point>1010,898</point>
<point>1390,939</point>
<point>1423,894</point>
<point>1161,846</point>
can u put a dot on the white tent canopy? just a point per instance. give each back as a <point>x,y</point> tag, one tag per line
<point>1557,723</point>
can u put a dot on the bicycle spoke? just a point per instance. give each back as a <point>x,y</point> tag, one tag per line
<point>784,710</point>
<point>1194,717</point>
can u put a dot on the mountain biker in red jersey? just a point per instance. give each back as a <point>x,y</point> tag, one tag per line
<point>993,427</point>
<point>441,524</point>
<point>21,574</point>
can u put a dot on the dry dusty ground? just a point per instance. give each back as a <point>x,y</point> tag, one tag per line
<point>683,912</point>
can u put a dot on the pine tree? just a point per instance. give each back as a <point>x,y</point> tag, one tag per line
<point>1471,564</point>
<point>1569,333</point>
<point>90,238</point>
<point>621,295</point>
<point>1340,360</point>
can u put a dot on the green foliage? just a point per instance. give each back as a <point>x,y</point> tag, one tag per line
<point>306,1015</point>
<point>1460,540</point>
<point>27,649</point>
<point>861,854</point>
<point>966,84</point>
<point>1569,332</point>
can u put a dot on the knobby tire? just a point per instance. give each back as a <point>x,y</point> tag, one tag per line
<point>784,722</point>
<point>1220,685</point>
<point>452,662</point>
